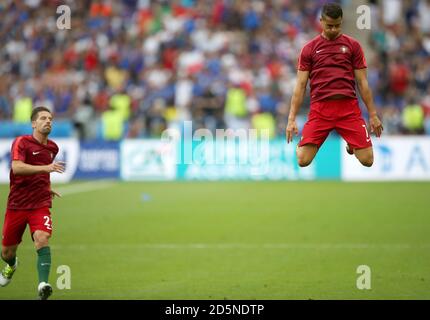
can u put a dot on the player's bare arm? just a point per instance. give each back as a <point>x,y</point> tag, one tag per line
<point>55,194</point>
<point>366,95</point>
<point>296,102</point>
<point>24,169</point>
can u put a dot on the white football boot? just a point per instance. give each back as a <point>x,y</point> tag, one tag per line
<point>45,290</point>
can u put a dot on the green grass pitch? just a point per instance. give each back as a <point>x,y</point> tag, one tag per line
<point>234,240</point>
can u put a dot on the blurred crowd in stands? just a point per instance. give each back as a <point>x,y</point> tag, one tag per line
<point>400,73</point>
<point>132,68</point>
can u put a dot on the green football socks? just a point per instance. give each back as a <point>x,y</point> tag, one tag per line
<point>43,263</point>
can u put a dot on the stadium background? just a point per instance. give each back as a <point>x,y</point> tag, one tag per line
<point>127,70</point>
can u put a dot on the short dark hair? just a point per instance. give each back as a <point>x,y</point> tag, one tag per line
<point>332,10</point>
<point>36,111</point>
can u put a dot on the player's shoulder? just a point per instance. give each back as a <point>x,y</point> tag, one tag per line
<point>310,44</point>
<point>52,144</point>
<point>22,139</point>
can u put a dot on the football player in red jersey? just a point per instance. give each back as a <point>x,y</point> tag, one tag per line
<point>30,198</point>
<point>334,63</point>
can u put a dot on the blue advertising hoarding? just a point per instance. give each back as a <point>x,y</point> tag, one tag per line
<point>396,158</point>
<point>254,160</point>
<point>98,160</point>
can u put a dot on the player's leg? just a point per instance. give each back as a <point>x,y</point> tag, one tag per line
<point>355,133</point>
<point>306,153</point>
<point>364,155</point>
<point>352,127</point>
<point>8,255</point>
<point>41,243</point>
<point>41,228</point>
<point>13,229</point>
<point>314,133</point>
<point>41,239</point>
<point>349,149</point>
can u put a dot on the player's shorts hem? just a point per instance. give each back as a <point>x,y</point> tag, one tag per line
<point>44,230</point>
<point>40,229</point>
<point>304,142</point>
<point>354,146</point>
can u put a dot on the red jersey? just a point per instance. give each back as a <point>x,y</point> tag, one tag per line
<point>331,65</point>
<point>31,191</point>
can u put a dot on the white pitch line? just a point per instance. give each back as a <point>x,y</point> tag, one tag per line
<point>177,246</point>
<point>84,187</point>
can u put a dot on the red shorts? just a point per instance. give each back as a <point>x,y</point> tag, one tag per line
<point>343,115</point>
<point>15,222</point>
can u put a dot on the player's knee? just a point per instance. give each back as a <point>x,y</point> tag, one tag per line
<point>40,243</point>
<point>305,155</point>
<point>41,239</point>
<point>367,161</point>
<point>303,161</point>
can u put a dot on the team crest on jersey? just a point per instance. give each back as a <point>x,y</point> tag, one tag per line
<point>344,49</point>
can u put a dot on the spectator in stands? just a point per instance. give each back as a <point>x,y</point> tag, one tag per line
<point>413,117</point>
<point>163,55</point>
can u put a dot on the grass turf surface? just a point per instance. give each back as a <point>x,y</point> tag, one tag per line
<point>234,240</point>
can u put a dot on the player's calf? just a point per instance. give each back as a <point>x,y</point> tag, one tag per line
<point>349,149</point>
<point>8,253</point>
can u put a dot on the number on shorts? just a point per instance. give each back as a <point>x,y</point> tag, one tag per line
<point>47,222</point>
<point>367,133</point>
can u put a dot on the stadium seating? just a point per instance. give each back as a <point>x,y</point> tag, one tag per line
<point>61,129</point>
<point>168,55</point>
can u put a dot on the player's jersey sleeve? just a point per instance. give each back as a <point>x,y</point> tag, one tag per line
<point>358,58</point>
<point>18,149</point>
<point>305,59</point>
<point>55,150</point>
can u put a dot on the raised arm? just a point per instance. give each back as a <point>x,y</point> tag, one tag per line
<point>296,102</point>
